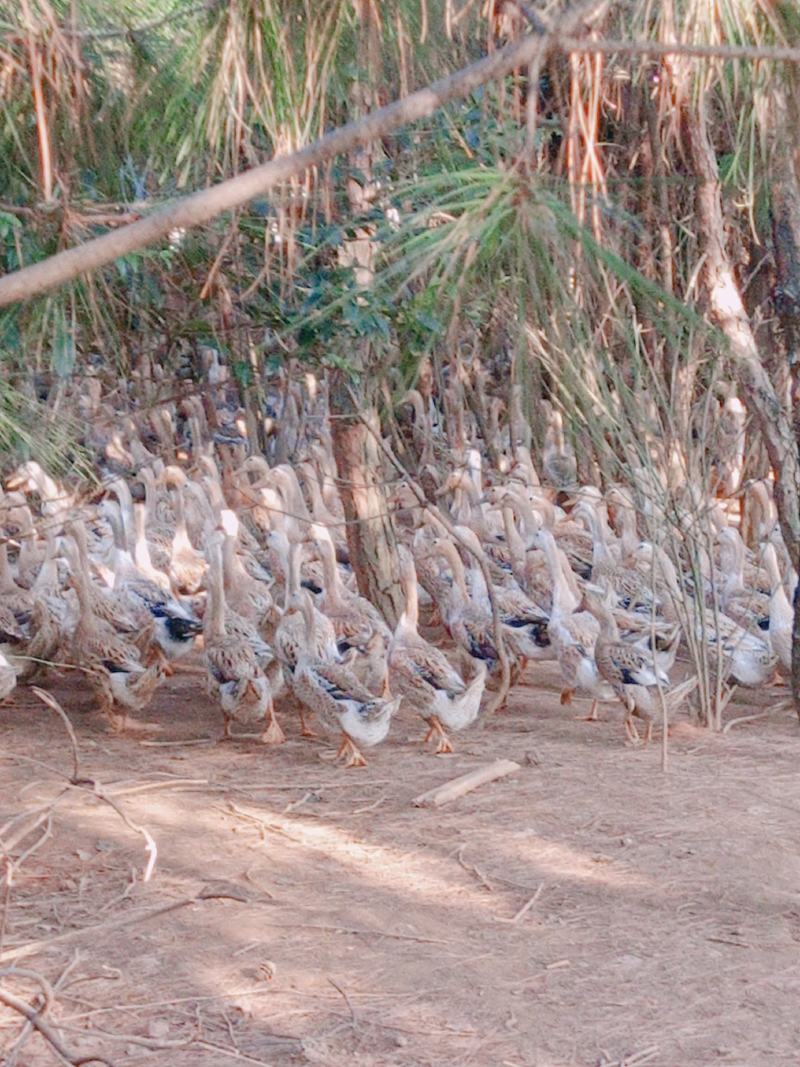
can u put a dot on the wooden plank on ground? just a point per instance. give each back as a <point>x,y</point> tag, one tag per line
<point>456,788</point>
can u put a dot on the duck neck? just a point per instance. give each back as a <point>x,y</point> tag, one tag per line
<point>47,578</point>
<point>307,608</point>
<point>608,624</point>
<point>764,509</point>
<point>216,595</point>
<point>516,546</point>
<point>180,541</point>
<point>534,516</point>
<point>7,583</point>
<point>564,603</point>
<point>628,534</point>
<point>80,577</point>
<point>231,573</point>
<point>141,549</point>
<point>600,551</point>
<point>28,556</point>
<point>120,556</point>
<point>333,583</point>
<point>732,561</point>
<point>409,620</point>
<point>123,494</point>
<point>47,488</point>
<point>477,585</point>
<point>770,559</point>
<point>292,572</point>
<point>460,591</point>
<point>290,489</point>
<point>150,495</point>
<point>318,508</point>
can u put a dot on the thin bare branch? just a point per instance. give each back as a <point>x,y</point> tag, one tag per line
<point>48,1032</point>
<point>206,204</point>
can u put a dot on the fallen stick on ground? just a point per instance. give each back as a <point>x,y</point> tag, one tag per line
<point>476,871</point>
<point>12,1057</point>
<point>34,1017</point>
<point>32,947</point>
<point>443,794</point>
<point>526,907</point>
<point>150,787</point>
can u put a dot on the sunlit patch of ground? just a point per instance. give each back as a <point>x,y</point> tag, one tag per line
<point>320,918</point>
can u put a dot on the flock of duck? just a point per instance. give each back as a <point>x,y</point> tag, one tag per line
<point>216,552</point>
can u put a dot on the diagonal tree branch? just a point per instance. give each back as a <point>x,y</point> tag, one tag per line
<point>206,204</point>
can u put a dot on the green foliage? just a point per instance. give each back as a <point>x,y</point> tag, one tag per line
<point>30,429</point>
<point>480,230</point>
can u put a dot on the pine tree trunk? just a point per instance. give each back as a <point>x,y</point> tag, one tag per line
<point>370,533</point>
<point>786,242</point>
<point>727,310</point>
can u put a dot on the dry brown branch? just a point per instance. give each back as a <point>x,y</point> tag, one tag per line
<point>587,46</point>
<point>352,931</point>
<point>452,790</point>
<point>150,845</point>
<point>30,822</point>
<point>472,869</point>
<point>242,1057</point>
<point>132,31</point>
<point>151,787</point>
<point>206,893</point>
<point>743,718</point>
<point>13,1054</point>
<point>727,309</point>
<point>530,16</point>
<point>98,791</point>
<point>295,804</point>
<point>35,1017</point>
<point>348,1002</point>
<point>526,907</point>
<point>52,703</point>
<point>151,1043</point>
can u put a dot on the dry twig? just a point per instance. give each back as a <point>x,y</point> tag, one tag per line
<point>472,869</point>
<point>348,1002</point>
<point>35,1017</point>
<point>51,702</point>
<point>206,893</point>
<point>526,907</point>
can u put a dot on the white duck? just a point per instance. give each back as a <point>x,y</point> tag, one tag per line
<point>424,677</point>
<point>339,699</point>
<point>781,613</point>
<point>573,634</point>
<point>235,677</point>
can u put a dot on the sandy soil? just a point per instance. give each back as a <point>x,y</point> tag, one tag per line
<point>322,919</point>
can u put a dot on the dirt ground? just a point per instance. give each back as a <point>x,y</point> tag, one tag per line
<point>319,918</point>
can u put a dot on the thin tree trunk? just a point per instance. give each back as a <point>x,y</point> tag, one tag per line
<point>370,532</point>
<point>727,310</point>
<point>786,241</point>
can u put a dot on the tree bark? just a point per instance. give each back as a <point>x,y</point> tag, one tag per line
<point>786,242</point>
<point>728,312</point>
<point>371,537</point>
